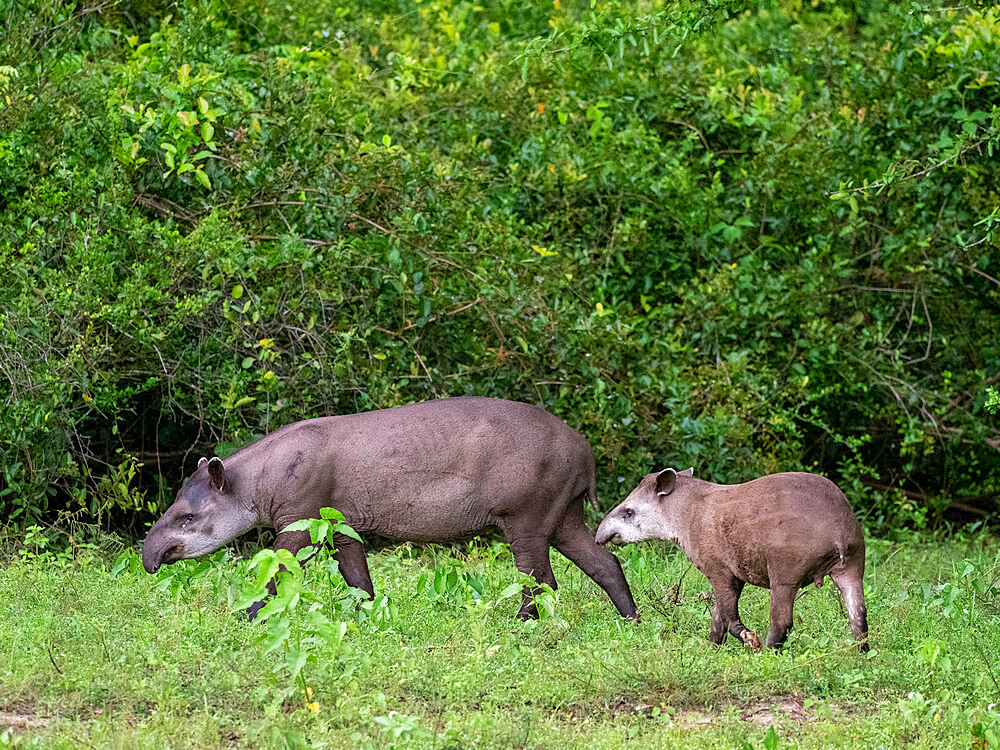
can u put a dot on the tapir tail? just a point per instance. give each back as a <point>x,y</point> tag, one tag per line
<point>592,493</point>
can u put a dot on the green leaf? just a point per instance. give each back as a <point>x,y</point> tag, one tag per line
<point>203,178</point>
<point>346,530</point>
<point>188,119</point>
<point>295,660</point>
<point>512,590</point>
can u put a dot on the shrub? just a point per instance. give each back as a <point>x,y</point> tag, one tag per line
<point>745,236</point>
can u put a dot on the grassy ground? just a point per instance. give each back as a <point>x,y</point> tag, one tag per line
<point>99,657</point>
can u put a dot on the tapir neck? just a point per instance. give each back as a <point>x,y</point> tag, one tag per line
<point>682,514</point>
<point>246,475</point>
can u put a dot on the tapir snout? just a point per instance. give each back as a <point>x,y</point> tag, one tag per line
<point>157,552</point>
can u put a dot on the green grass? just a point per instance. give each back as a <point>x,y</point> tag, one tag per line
<point>102,660</point>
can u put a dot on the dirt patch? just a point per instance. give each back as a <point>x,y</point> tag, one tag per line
<point>20,721</point>
<point>622,705</point>
<point>758,712</point>
<point>686,718</point>
<point>771,710</point>
<point>762,712</point>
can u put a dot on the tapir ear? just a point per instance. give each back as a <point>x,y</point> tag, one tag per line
<point>686,472</point>
<point>202,461</point>
<point>217,474</point>
<point>665,482</point>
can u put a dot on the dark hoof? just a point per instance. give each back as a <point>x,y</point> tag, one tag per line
<point>529,614</point>
<point>250,613</point>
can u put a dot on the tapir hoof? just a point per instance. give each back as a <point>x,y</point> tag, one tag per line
<point>751,639</point>
<point>251,612</point>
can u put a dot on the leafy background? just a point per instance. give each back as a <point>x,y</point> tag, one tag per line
<point>743,236</point>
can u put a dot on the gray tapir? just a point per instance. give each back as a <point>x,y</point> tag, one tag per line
<point>782,532</point>
<point>435,471</point>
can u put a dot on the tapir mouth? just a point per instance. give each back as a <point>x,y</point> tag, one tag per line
<point>170,555</point>
<point>607,538</point>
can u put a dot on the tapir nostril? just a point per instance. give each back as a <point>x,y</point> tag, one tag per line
<point>154,559</point>
<point>151,566</point>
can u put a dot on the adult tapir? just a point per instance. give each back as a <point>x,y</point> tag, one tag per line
<point>435,471</point>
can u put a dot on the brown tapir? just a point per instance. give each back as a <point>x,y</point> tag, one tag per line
<point>435,471</point>
<point>782,532</point>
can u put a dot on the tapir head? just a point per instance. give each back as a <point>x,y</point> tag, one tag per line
<point>649,511</point>
<point>205,515</point>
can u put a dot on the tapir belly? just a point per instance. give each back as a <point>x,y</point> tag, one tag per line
<point>432,508</point>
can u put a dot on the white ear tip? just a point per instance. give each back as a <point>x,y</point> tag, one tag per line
<point>215,460</point>
<point>661,494</point>
<point>202,461</point>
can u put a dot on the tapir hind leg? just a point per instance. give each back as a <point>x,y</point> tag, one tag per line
<point>575,541</point>
<point>782,602</point>
<point>851,585</point>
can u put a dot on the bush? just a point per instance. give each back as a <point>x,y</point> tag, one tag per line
<point>749,237</point>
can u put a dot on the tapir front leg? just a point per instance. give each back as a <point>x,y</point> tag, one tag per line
<point>350,556</point>
<point>293,541</point>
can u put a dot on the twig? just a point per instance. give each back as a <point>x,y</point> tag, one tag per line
<point>921,173</point>
<point>462,268</point>
<point>264,204</point>
<point>450,312</point>
<point>369,221</point>
<point>156,202</point>
<point>275,237</point>
<point>695,129</point>
<point>53,659</point>
<point>930,334</point>
<point>989,667</point>
<point>982,273</point>
<point>892,290</point>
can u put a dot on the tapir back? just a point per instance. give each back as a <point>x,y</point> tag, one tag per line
<point>432,471</point>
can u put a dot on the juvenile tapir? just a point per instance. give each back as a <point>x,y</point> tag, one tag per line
<point>435,471</point>
<point>782,532</point>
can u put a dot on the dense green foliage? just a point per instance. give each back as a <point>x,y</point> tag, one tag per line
<point>743,236</point>
<point>108,656</point>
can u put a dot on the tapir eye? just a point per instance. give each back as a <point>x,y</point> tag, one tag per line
<point>187,519</point>
<point>628,513</point>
